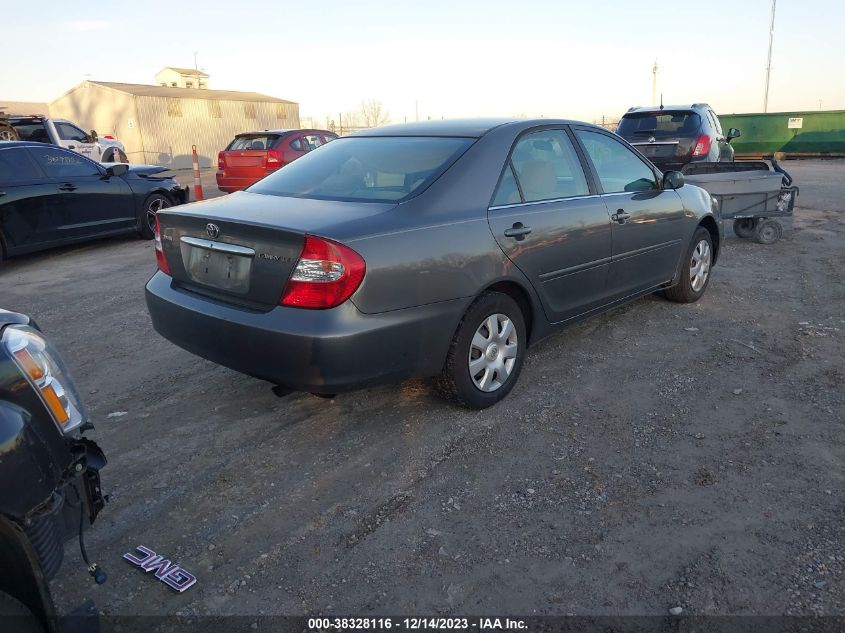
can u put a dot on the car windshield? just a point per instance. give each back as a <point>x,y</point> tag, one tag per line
<point>253,141</point>
<point>659,124</point>
<point>373,169</point>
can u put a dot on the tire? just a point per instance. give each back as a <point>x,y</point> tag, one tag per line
<point>768,232</point>
<point>16,618</point>
<point>745,227</point>
<point>8,133</point>
<point>146,223</point>
<point>693,283</point>
<point>475,345</point>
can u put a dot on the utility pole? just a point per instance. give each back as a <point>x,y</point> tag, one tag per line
<point>195,60</point>
<point>654,83</point>
<point>769,63</point>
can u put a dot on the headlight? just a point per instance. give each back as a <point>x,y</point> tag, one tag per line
<point>41,364</point>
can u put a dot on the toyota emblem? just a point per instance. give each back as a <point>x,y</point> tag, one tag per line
<point>213,230</point>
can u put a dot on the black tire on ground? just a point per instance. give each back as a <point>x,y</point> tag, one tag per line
<point>745,227</point>
<point>16,618</point>
<point>146,223</point>
<point>684,291</point>
<point>768,232</point>
<point>455,382</point>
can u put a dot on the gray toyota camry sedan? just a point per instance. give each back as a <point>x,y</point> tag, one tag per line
<point>427,249</point>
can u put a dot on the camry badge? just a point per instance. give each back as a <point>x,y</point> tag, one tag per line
<point>213,230</point>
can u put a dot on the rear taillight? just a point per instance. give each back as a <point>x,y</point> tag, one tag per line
<point>161,260</point>
<point>221,163</point>
<point>702,146</point>
<point>273,159</point>
<point>325,276</point>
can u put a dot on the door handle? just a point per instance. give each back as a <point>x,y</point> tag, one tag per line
<point>518,231</point>
<point>67,187</point>
<point>620,216</point>
<point>71,146</point>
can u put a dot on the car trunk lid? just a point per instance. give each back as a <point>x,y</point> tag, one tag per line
<point>243,247</point>
<point>248,153</point>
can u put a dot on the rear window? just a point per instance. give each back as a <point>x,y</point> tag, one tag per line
<point>659,124</point>
<point>366,169</point>
<point>31,131</point>
<point>254,141</point>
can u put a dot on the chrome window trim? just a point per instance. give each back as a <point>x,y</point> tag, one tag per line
<point>536,202</point>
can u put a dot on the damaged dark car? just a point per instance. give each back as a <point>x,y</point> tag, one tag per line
<point>49,474</point>
<point>51,196</point>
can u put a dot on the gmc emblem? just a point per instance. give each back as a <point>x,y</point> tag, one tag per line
<point>169,573</point>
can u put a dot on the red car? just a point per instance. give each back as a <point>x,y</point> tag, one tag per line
<point>253,155</point>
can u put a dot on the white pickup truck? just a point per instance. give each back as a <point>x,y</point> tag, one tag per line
<point>103,149</point>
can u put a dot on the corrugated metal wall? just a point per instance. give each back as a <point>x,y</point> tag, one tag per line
<point>170,126</point>
<point>820,133</point>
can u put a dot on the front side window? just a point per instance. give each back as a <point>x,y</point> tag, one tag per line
<point>17,166</point>
<point>547,168</point>
<point>68,132</point>
<point>57,163</point>
<point>373,169</point>
<point>312,141</point>
<point>619,169</point>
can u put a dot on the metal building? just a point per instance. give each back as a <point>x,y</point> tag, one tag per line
<point>159,124</point>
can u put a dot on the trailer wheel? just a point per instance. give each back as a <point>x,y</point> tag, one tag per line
<point>745,227</point>
<point>768,232</point>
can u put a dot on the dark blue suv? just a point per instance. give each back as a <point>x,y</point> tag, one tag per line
<point>673,136</point>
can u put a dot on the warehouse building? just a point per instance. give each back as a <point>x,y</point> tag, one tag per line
<point>160,124</point>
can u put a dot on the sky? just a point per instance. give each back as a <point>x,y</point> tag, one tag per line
<point>444,58</point>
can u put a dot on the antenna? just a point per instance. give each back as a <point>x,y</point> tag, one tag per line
<point>661,100</point>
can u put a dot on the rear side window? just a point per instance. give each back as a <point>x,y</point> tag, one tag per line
<point>57,163</point>
<point>619,169</point>
<point>547,168</point>
<point>659,124</point>
<point>507,192</point>
<point>16,165</point>
<point>371,169</point>
<point>257,141</point>
<point>296,144</point>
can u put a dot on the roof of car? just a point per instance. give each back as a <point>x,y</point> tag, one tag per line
<point>283,131</point>
<point>469,128</point>
<point>655,108</point>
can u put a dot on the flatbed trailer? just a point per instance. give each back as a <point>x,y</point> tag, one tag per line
<point>751,193</point>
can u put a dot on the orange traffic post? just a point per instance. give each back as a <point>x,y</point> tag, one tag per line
<point>197,181</point>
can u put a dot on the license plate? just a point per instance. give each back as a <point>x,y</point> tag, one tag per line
<point>220,270</point>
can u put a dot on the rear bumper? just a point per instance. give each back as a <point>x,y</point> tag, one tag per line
<point>321,351</point>
<point>229,183</point>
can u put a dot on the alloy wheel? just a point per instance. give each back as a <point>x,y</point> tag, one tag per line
<point>492,353</point>
<point>155,205</point>
<point>700,265</point>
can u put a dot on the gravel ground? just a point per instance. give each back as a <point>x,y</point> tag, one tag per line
<point>661,455</point>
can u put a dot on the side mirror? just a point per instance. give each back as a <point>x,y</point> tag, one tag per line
<point>117,170</point>
<point>673,180</point>
<point>733,133</point>
<point>92,136</point>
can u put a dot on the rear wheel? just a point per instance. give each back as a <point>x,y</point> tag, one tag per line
<point>745,227</point>
<point>695,274</point>
<point>486,354</point>
<point>8,132</point>
<point>768,232</point>
<point>152,205</point>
